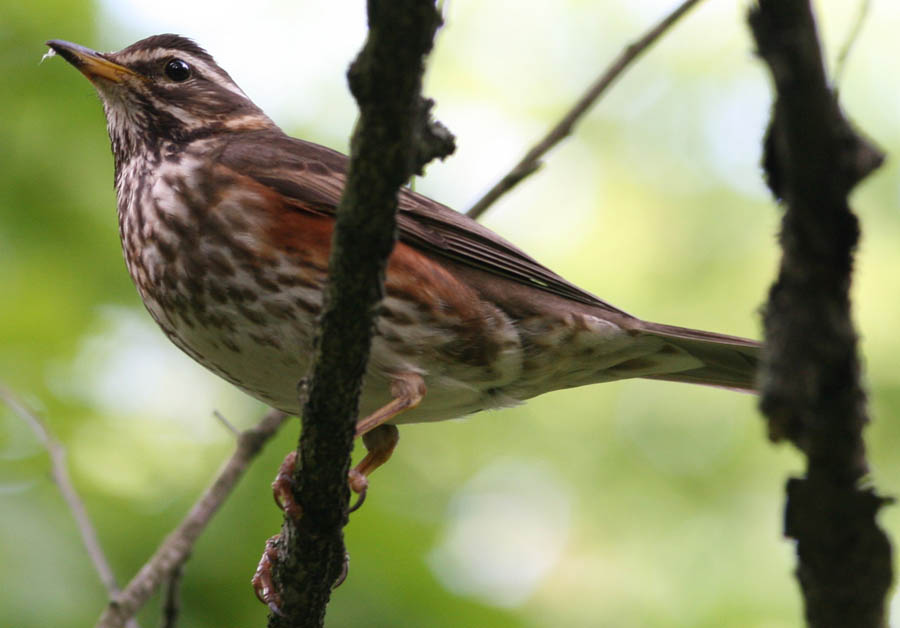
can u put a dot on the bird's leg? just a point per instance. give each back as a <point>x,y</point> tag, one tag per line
<point>380,443</point>
<point>380,438</point>
<point>407,389</point>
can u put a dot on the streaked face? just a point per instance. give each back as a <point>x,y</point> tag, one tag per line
<point>163,88</point>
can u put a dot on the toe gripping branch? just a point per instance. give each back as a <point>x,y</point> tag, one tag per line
<point>380,439</point>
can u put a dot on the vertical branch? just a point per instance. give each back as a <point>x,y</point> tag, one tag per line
<point>390,143</point>
<point>811,390</point>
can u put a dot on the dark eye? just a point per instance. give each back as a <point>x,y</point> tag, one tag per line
<point>178,70</point>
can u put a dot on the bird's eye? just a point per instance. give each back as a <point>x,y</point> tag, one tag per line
<point>177,70</point>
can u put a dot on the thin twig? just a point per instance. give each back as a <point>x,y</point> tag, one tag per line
<point>61,477</point>
<point>841,63</point>
<point>175,549</point>
<point>531,161</point>
<point>228,424</point>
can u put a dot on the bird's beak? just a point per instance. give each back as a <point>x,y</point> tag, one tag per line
<point>89,62</point>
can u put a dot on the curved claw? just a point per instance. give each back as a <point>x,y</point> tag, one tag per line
<point>360,499</point>
<point>345,569</point>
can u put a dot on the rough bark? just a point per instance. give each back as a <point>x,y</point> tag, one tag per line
<point>810,383</point>
<point>392,140</point>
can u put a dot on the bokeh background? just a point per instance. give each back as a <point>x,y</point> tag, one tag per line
<point>629,504</point>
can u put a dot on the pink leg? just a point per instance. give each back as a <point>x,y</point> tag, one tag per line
<point>381,438</point>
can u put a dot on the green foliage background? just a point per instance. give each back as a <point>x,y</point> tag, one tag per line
<point>629,504</point>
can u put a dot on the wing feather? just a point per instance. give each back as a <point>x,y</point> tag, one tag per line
<point>313,177</point>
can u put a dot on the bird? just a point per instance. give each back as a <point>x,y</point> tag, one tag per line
<point>226,223</point>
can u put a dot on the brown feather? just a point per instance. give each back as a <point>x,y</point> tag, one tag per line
<point>312,177</point>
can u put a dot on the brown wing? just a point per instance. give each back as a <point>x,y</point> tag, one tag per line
<point>313,177</point>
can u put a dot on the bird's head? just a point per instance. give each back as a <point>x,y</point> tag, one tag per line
<point>164,88</point>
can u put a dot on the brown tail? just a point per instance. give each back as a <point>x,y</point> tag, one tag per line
<point>728,361</point>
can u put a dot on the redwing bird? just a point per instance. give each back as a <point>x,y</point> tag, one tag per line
<point>226,226</point>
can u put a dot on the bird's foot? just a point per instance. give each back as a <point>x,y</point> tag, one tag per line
<point>283,488</point>
<point>283,492</point>
<point>262,581</point>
